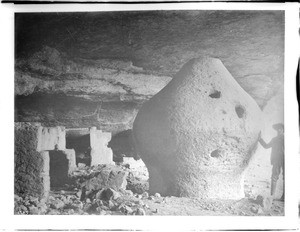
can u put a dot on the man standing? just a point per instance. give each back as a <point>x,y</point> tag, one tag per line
<point>277,156</point>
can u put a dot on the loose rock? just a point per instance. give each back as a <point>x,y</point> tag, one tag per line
<point>108,194</point>
<point>151,198</point>
<point>145,195</point>
<point>81,165</point>
<point>260,210</point>
<point>57,204</point>
<point>33,210</point>
<point>108,176</point>
<point>140,211</point>
<point>157,195</point>
<point>125,209</point>
<point>254,209</point>
<point>111,204</point>
<point>265,202</point>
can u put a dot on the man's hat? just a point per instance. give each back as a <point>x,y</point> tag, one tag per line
<point>278,126</point>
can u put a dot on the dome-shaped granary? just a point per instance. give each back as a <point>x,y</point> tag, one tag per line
<point>197,134</point>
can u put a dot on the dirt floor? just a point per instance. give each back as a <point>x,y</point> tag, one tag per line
<point>257,191</point>
<point>137,201</point>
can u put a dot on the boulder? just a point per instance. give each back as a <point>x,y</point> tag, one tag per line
<point>140,212</point>
<point>109,176</point>
<point>264,202</point>
<point>57,204</point>
<point>197,135</point>
<point>136,185</point>
<point>125,209</point>
<point>108,194</point>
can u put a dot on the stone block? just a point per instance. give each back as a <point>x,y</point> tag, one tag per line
<point>71,156</point>
<point>100,153</point>
<point>51,138</point>
<point>109,176</point>
<point>45,173</point>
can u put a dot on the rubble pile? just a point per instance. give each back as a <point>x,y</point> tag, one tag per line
<point>122,190</point>
<point>137,178</point>
<point>100,190</point>
<point>136,184</point>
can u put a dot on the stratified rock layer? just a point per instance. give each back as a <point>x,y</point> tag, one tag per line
<point>106,64</point>
<point>197,134</point>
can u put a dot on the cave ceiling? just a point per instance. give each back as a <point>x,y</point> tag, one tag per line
<point>129,56</point>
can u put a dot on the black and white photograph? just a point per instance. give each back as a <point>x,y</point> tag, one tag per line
<point>153,112</point>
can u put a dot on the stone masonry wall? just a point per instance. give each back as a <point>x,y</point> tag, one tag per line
<point>32,145</point>
<point>32,159</point>
<point>49,137</point>
<point>28,161</point>
<point>100,153</point>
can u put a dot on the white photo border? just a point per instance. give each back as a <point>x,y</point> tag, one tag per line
<point>9,221</point>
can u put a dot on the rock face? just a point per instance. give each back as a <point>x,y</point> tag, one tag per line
<point>99,70</point>
<point>196,135</point>
<point>155,41</point>
<point>49,71</point>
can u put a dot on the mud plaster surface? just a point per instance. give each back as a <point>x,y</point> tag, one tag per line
<point>197,114</point>
<point>257,182</point>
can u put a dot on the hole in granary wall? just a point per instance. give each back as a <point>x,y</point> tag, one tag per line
<point>240,111</point>
<point>215,94</point>
<point>79,140</point>
<point>215,153</point>
<point>58,169</point>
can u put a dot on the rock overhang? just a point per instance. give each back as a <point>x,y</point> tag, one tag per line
<point>130,56</point>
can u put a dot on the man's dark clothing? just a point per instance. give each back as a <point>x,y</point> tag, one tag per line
<point>277,158</point>
<point>277,145</point>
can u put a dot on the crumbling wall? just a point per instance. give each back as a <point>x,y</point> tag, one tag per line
<point>50,138</point>
<point>41,157</point>
<point>29,163</point>
<point>32,159</point>
<point>79,140</point>
<point>45,173</point>
<point>100,153</point>
<point>70,154</point>
<point>90,144</point>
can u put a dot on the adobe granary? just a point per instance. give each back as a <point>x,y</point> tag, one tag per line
<point>46,156</point>
<point>197,135</point>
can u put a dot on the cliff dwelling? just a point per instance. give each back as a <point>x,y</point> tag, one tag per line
<point>57,153</point>
<point>148,112</point>
<point>79,140</point>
